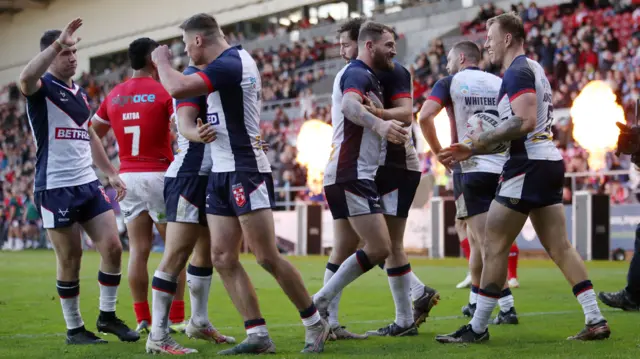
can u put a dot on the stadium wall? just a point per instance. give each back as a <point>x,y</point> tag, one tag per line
<point>110,25</point>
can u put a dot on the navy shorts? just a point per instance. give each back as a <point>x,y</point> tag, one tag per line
<point>474,192</point>
<point>184,199</point>
<point>233,194</point>
<point>62,207</point>
<point>530,184</point>
<point>353,198</point>
<point>397,187</point>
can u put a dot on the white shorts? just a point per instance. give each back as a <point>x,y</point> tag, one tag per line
<point>145,192</point>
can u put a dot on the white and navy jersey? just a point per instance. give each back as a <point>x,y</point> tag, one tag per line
<point>464,94</point>
<point>59,119</point>
<point>527,76</point>
<point>355,150</point>
<point>234,111</point>
<point>193,158</point>
<point>397,84</point>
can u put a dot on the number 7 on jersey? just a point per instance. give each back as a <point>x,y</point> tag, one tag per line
<point>135,143</point>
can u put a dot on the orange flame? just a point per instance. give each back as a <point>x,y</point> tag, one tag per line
<point>443,131</point>
<point>594,114</point>
<point>314,148</point>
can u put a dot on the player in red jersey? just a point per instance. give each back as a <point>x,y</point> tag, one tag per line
<point>140,111</point>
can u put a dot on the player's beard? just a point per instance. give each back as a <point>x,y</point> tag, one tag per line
<point>382,61</point>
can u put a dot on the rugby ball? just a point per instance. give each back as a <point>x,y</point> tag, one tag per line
<point>482,122</point>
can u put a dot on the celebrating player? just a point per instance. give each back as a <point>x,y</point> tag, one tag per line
<point>350,189</point>
<point>530,186</point>
<point>67,191</point>
<point>185,192</point>
<point>139,111</point>
<point>240,191</point>
<point>396,200</point>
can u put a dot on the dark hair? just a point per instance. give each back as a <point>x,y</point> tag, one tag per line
<point>139,51</point>
<point>470,50</point>
<point>48,38</point>
<point>510,23</point>
<point>353,27</point>
<point>372,30</point>
<point>202,22</point>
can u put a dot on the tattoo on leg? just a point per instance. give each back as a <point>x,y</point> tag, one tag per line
<point>493,288</point>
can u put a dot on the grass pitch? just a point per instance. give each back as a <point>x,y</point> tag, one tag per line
<point>31,323</point>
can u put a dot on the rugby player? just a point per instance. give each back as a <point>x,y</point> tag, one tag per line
<point>139,111</point>
<point>530,184</point>
<point>67,192</point>
<point>240,193</point>
<point>465,92</point>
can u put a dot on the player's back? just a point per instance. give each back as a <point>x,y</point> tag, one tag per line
<point>464,94</point>
<point>355,150</point>
<point>139,111</point>
<point>192,158</point>
<point>527,76</point>
<point>396,84</point>
<point>59,119</point>
<point>234,106</point>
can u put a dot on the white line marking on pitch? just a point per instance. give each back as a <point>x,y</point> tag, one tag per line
<point>291,325</point>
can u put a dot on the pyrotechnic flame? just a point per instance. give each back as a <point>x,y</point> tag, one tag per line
<point>314,148</point>
<point>594,114</point>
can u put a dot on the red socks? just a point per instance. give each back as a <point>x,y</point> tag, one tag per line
<point>176,313</point>
<point>142,312</point>
<point>466,249</point>
<point>512,267</point>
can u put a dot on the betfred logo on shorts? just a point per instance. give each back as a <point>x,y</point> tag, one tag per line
<point>72,134</point>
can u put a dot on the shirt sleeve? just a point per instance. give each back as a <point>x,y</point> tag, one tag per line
<point>401,86</point>
<point>354,80</point>
<point>518,82</point>
<point>102,115</point>
<point>192,102</point>
<point>222,72</point>
<point>441,92</point>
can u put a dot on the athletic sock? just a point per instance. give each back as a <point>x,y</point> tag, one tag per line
<point>108,284</point>
<point>141,309</point>
<point>69,293</point>
<point>163,289</point>
<point>473,294</point>
<point>417,287</point>
<point>512,266</point>
<point>352,268</point>
<point>466,248</point>
<point>176,314</point>
<point>199,281</point>
<point>587,298</point>
<point>310,316</point>
<point>506,300</point>
<point>335,302</point>
<point>400,284</point>
<point>256,326</point>
<point>484,307</point>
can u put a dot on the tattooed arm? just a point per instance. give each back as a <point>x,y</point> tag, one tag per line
<point>525,109</point>
<point>355,112</point>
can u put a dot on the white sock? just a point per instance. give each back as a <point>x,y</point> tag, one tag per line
<point>473,295</point>
<point>417,287</point>
<point>69,293</point>
<point>400,283</point>
<point>482,315</point>
<point>309,320</point>
<point>163,290</point>
<point>109,284</point>
<point>350,270</point>
<point>590,307</point>
<point>335,302</point>
<point>256,326</point>
<point>506,300</point>
<point>199,281</point>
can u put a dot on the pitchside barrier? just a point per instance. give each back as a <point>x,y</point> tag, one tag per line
<point>595,227</point>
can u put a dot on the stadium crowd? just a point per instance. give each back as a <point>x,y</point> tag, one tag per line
<point>599,43</point>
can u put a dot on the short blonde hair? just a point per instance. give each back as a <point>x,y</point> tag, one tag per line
<point>509,23</point>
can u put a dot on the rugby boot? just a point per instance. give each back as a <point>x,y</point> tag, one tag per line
<point>463,335</point>
<point>596,331</point>
<point>252,344</point>
<point>113,325</point>
<point>468,310</point>
<point>315,336</point>
<point>341,333</point>
<point>394,330</point>
<point>423,305</point>
<point>208,333</point>
<point>620,299</point>
<point>508,317</point>
<point>83,337</point>
<point>166,345</point>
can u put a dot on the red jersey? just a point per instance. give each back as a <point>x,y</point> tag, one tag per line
<point>139,111</point>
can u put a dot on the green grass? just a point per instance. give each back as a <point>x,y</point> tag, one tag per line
<point>31,323</point>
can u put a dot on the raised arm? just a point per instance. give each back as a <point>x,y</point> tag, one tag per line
<point>178,85</point>
<point>30,76</point>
